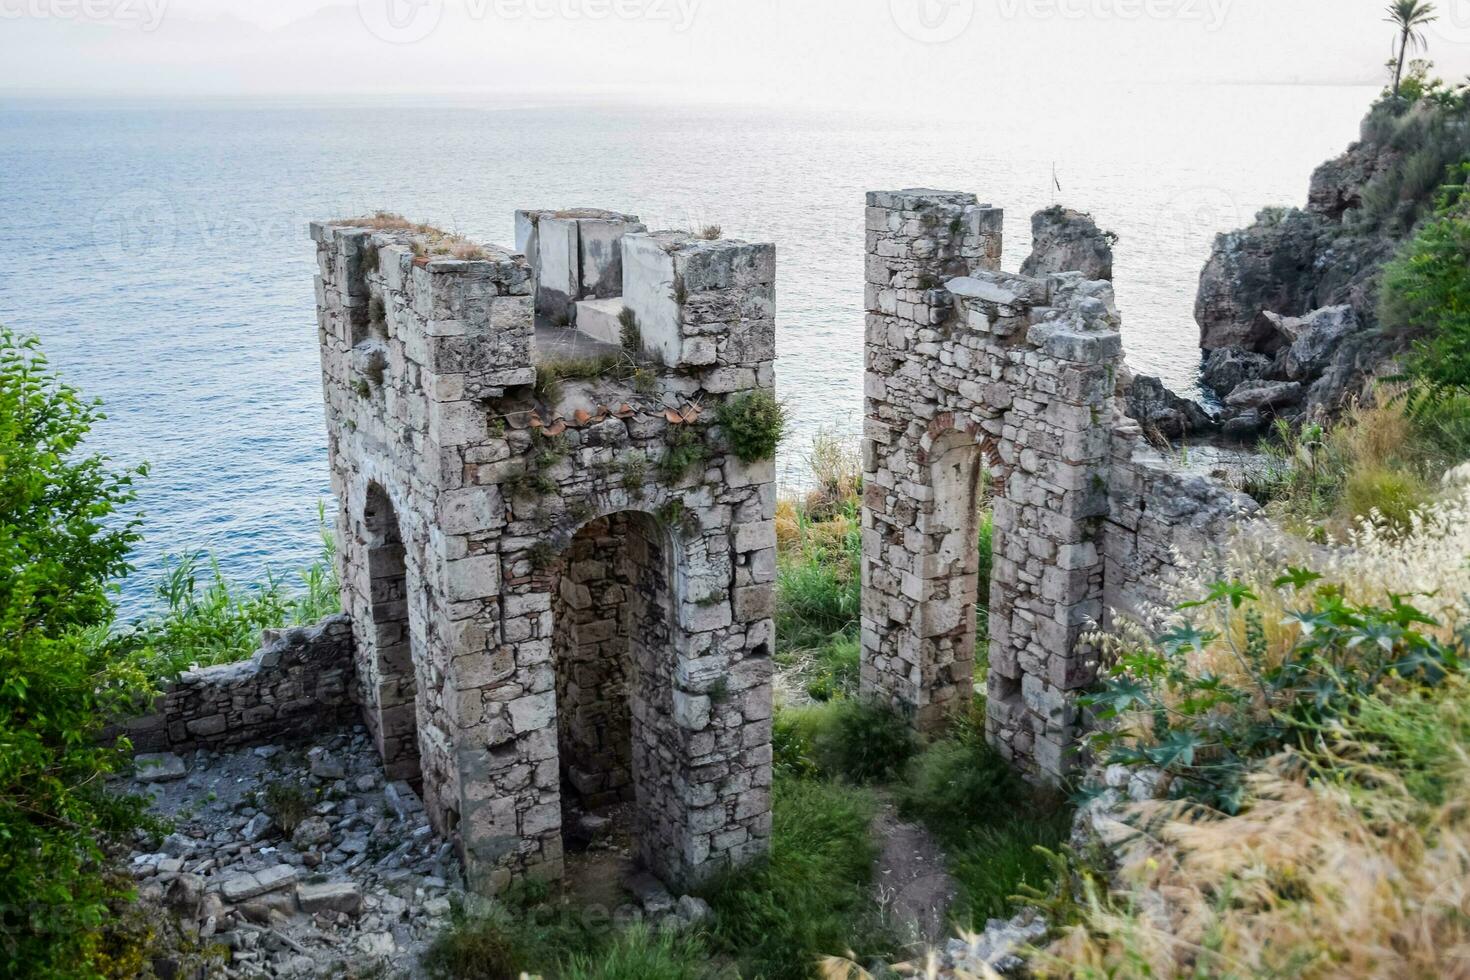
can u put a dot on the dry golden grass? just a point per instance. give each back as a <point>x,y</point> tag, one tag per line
<point>1313,880</point>
<point>1348,874</point>
<point>431,240</point>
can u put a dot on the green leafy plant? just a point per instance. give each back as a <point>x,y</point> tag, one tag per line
<point>1203,729</point>
<point>63,675</point>
<point>686,451</point>
<point>753,422</point>
<point>630,333</point>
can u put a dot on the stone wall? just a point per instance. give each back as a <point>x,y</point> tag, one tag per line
<point>977,378</point>
<point>471,479</point>
<point>1161,514</point>
<point>299,683</point>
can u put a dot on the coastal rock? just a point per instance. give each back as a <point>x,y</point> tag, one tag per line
<point>1315,339</point>
<point>1064,240</point>
<point>1227,368</point>
<point>1162,412</point>
<point>1259,395</point>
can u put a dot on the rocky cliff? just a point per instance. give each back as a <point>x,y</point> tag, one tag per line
<point>1287,308</point>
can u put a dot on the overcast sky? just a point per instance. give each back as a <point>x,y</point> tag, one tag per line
<point>925,54</point>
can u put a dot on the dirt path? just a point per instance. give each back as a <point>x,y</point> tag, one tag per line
<point>910,883</point>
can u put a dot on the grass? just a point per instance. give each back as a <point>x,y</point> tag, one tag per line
<point>208,620</point>
<point>989,820</point>
<point>1347,855</point>
<point>812,898</point>
<point>1384,459</point>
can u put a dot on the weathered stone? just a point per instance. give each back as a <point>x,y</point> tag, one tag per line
<point>159,767</point>
<point>333,896</point>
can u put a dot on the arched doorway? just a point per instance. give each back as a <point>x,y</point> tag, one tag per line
<point>392,707</point>
<point>613,648</point>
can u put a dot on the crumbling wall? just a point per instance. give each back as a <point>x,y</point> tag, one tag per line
<point>1016,376</point>
<point>979,380</point>
<point>444,399</point>
<point>300,682</point>
<point>1161,516</point>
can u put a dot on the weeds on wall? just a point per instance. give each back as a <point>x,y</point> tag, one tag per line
<point>754,423</point>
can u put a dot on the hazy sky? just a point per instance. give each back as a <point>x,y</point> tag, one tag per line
<point>927,54</point>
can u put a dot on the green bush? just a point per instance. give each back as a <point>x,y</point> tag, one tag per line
<point>62,676</point>
<point>485,946</point>
<point>997,862</point>
<point>959,782</point>
<point>862,741</point>
<point>1395,495</point>
<point>1206,729</point>
<point>811,897</point>
<point>1426,298</point>
<point>754,423</point>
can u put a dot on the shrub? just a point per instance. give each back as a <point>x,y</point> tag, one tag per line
<point>1204,728</point>
<point>818,577</point>
<point>754,423</point>
<point>486,946</point>
<point>1426,298</point>
<point>862,741</point>
<point>62,676</point>
<point>811,896</point>
<point>959,782</point>
<point>1395,495</point>
<point>629,333</point>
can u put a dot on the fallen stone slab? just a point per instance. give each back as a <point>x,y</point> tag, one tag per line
<point>331,896</point>
<point>241,887</point>
<point>159,767</point>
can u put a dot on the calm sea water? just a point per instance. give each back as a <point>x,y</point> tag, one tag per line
<point>160,251</point>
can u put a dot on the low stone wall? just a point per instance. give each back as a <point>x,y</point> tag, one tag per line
<point>299,683</point>
<point>1159,516</point>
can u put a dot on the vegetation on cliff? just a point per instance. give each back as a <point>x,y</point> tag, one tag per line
<point>1308,712</point>
<point>64,538</point>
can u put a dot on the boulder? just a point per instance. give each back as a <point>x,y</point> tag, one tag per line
<point>1161,411</point>
<point>331,896</point>
<point>1315,339</point>
<point>159,767</point>
<point>242,887</point>
<point>1227,368</point>
<point>1263,395</point>
<point>311,832</point>
<point>1064,240</point>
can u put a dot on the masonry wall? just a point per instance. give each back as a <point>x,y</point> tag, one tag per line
<point>430,366</point>
<point>299,683</point>
<point>980,378</point>
<point>1161,515</point>
<point>989,389</point>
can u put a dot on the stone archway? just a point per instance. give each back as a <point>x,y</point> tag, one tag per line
<point>966,361</point>
<point>392,709</point>
<point>613,619</point>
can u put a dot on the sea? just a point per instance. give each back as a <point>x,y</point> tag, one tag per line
<point>160,252</point>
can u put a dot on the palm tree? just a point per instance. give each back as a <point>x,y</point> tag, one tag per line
<point>1409,16</point>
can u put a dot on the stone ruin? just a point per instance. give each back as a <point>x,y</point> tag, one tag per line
<point>982,384</point>
<point>560,577</point>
